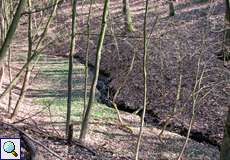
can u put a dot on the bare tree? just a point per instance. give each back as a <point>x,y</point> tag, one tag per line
<point>27,74</point>
<point>3,29</point>
<point>29,59</point>
<point>227,10</point>
<point>85,121</point>
<point>226,45</point>
<point>9,36</point>
<point>12,29</point>
<point>127,16</point>
<point>87,59</point>
<point>72,49</point>
<point>36,52</point>
<point>145,59</point>
<point>6,12</point>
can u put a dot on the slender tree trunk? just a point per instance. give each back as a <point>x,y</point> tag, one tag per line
<point>12,29</point>
<point>171,8</point>
<point>225,148</point>
<point>2,23</point>
<point>5,16</point>
<point>72,49</point>
<point>87,60</point>
<point>3,30</point>
<point>145,80</point>
<point>120,87</point>
<point>227,10</point>
<point>1,74</point>
<point>85,122</point>
<point>226,48</point>
<point>127,16</point>
<point>8,11</point>
<point>10,79</point>
<point>9,36</point>
<point>27,74</point>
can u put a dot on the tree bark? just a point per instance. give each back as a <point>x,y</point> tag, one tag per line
<point>87,60</point>
<point>10,79</point>
<point>226,48</point>
<point>3,30</point>
<point>225,148</point>
<point>145,61</point>
<point>85,121</point>
<point>127,16</point>
<point>72,49</point>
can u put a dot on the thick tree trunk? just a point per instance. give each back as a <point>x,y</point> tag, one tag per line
<point>127,16</point>
<point>72,49</point>
<point>85,122</point>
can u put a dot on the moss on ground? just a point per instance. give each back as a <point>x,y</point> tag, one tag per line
<point>52,90</point>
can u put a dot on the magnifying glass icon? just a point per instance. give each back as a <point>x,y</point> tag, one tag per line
<point>9,147</point>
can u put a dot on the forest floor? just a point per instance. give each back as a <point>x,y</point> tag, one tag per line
<point>43,112</point>
<point>186,45</point>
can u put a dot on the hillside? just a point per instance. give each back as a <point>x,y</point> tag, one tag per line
<point>182,61</point>
<point>176,45</point>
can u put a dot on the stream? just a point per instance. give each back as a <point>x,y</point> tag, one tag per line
<point>151,118</point>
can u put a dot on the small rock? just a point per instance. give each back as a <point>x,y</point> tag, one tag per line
<point>167,156</point>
